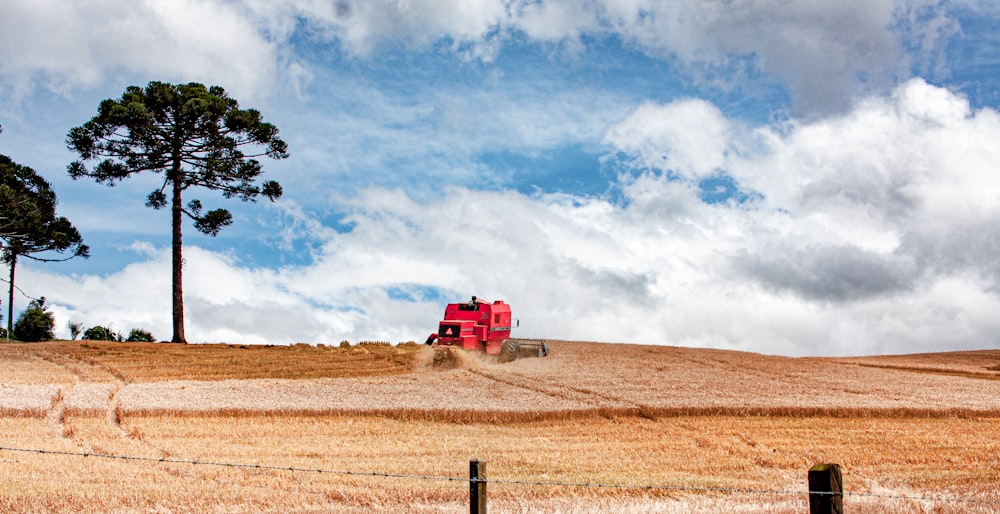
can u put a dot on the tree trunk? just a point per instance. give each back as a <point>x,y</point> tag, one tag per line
<point>176,210</point>
<point>10,297</point>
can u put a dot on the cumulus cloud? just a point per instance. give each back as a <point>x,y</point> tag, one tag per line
<point>688,137</point>
<point>872,231</point>
<point>361,26</point>
<point>224,301</point>
<point>214,42</point>
<point>832,273</point>
<point>826,53</point>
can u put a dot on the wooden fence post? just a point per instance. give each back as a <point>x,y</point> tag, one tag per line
<point>826,489</point>
<point>477,486</point>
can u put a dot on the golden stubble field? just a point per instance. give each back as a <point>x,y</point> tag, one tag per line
<point>380,429</point>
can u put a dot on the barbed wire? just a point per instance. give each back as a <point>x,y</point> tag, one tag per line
<point>501,481</point>
<point>685,488</point>
<point>266,467</point>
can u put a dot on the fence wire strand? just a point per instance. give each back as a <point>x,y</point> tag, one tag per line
<point>537,483</point>
<point>266,467</point>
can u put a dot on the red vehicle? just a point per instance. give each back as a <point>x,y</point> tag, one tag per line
<point>479,325</point>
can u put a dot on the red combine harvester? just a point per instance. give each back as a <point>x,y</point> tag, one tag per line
<point>479,325</point>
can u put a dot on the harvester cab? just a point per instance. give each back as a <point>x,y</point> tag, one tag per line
<point>479,325</point>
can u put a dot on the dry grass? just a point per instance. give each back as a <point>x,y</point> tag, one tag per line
<point>943,457</point>
<point>153,362</point>
<point>619,414</point>
<point>23,364</point>
<point>984,365</point>
<point>578,380</point>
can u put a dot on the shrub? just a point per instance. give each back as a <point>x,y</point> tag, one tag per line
<point>138,335</point>
<point>36,323</point>
<point>75,329</point>
<point>99,333</point>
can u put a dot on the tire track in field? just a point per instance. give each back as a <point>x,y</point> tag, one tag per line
<point>85,391</point>
<point>55,417</point>
<point>82,370</point>
<point>57,412</point>
<point>557,390</point>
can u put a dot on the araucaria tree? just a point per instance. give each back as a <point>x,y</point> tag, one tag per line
<point>28,222</point>
<point>192,135</point>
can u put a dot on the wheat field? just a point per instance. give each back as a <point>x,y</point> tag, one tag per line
<point>709,430</point>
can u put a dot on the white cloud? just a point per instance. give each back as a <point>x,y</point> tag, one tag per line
<point>131,298</point>
<point>60,45</point>
<point>555,20</point>
<point>874,232</point>
<point>361,26</point>
<point>224,302</point>
<point>688,137</point>
<point>826,53</point>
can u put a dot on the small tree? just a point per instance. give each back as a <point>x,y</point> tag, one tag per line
<point>138,335</point>
<point>75,329</point>
<point>100,333</point>
<point>191,135</point>
<point>35,324</point>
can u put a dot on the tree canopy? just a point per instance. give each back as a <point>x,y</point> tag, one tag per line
<point>28,222</point>
<point>192,135</point>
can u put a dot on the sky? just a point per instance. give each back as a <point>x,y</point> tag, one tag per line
<point>792,178</point>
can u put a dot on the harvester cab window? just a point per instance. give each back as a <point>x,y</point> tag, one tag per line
<point>471,306</point>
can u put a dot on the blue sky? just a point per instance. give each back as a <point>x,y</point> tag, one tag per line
<point>806,178</point>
